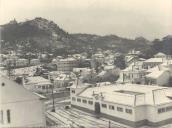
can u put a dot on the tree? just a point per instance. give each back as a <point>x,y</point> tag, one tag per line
<point>18,80</point>
<point>120,62</point>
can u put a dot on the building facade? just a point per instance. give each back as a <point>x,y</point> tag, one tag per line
<point>66,65</point>
<point>19,107</point>
<point>37,84</point>
<point>132,105</point>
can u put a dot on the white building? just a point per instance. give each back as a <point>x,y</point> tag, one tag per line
<point>134,52</point>
<point>16,62</point>
<point>30,71</point>
<point>159,75</point>
<point>131,57</point>
<point>66,65</point>
<point>152,62</point>
<point>160,55</point>
<point>19,107</point>
<point>134,73</point>
<point>37,84</point>
<point>87,74</point>
<point>54,74</point>
<point>34,62</point>
<point>22,62</point>
<point>63,80</point>
<point>133,105</point>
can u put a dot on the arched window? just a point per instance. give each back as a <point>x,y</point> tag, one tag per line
<point>8,116</point>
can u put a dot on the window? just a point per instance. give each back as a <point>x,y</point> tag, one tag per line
<point>73,99</point>
<point>78,100</point>
<point>84,101</point>
<point>119,109</point>
<point>73,91</point>
<point>8,116</point>
<point>1,117</point>
<point>169,108</point>
<point>129,111</point>
<point>104,106</point>
<point>90,102</point>
<point>161,110</point>
<point>111,107</point>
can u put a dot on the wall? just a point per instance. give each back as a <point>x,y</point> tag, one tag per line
<point>140,113</point>
<point>164,78</point>
<point>118,114</point>
<point>84,105</point>
<point>164,115</point>
<point>107,111</point>
<point>24,114</point>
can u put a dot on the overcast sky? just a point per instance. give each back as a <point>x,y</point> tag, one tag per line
<point>126,18</point>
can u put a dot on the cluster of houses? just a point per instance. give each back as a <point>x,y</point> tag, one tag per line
<point>99,68</point>
<point>141,88</point>
<point>157,70</point>
<point>15,61</point>
<point>140,97</point>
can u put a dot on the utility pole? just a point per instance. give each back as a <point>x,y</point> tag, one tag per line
<point>77,76</point>
<point>52,87</point>
<point>109,124</point>
<point>9,69</point>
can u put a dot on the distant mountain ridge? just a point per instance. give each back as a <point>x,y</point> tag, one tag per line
<point>41,34</point>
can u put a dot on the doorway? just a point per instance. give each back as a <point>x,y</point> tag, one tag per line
<point>97,108</point>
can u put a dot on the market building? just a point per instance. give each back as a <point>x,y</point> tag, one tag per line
<point>129,104</point>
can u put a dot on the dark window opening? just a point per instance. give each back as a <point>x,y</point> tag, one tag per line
<point>8,116</point>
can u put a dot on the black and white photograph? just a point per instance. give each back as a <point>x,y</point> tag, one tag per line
<point>86,63</point>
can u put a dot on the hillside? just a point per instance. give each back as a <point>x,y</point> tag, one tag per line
<point>40,34</point>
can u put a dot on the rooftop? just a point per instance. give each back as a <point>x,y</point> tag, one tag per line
<point>63,77</point>
<point>12,92</point>
<point>155,75</point>
<point>154,60</point>
<point>67,59</point>
<point>135,66</point>
<point>109,67</point>
<point>160,54</point>
<point>37,80</point>
<point>157,71</point>
<point>129,94</point>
